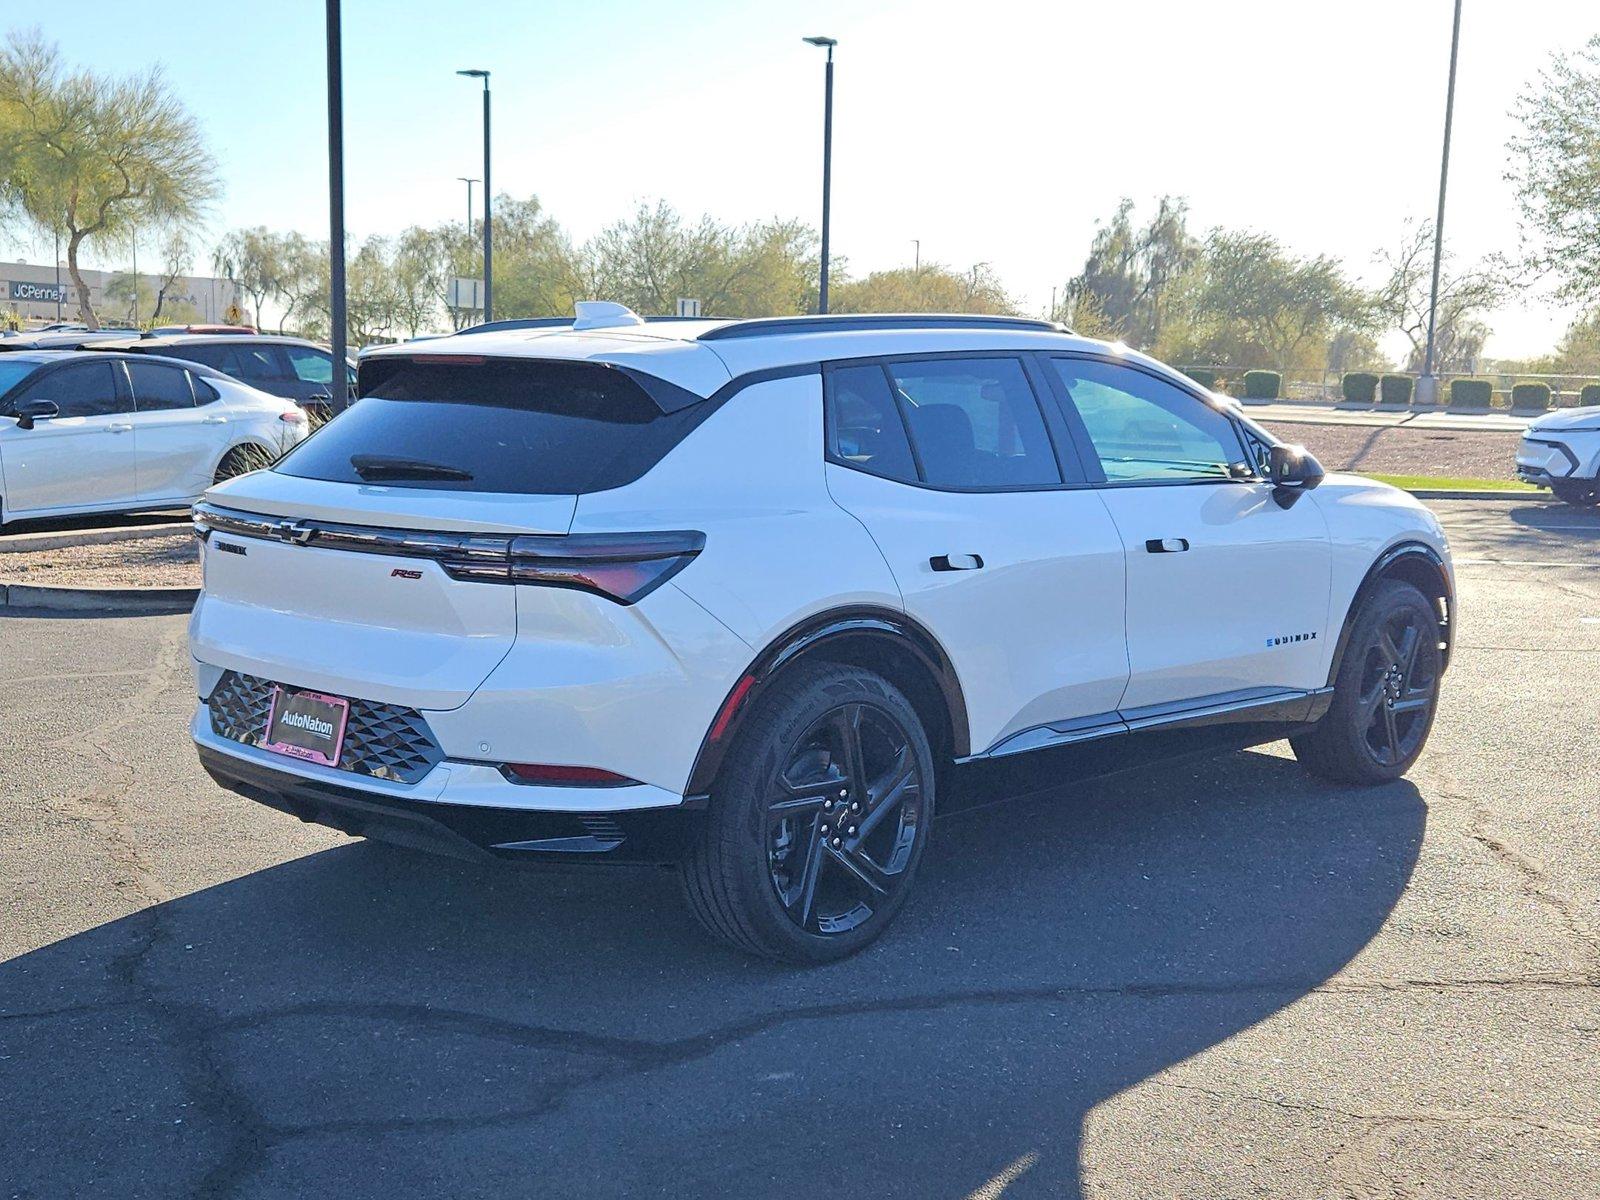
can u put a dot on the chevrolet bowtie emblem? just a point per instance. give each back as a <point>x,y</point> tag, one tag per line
<point>293,531</point>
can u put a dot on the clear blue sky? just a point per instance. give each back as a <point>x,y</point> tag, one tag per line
<point>996,131</point>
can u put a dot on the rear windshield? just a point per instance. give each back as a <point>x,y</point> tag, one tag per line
<point>494,426</point>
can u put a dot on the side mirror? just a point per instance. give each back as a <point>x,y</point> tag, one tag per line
<point>1292,470</point>
<point>30,411</point>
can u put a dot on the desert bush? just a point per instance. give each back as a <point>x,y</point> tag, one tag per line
<point>1395,389</point>
<point>1262,385</point>
<point>1359,387</point>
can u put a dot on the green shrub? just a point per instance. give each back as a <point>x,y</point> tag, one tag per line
<point>1204,376</point>
<point>1395,389</point>
<point>1590,394</point>
<point>1530,395</point>
<point>1471,393</point>
<point>1360,387</point>
<point>1262,385</point>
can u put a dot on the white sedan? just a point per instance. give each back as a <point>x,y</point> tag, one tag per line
<point>89,432</point>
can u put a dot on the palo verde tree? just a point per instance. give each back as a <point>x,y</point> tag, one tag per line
<point>93,158</point>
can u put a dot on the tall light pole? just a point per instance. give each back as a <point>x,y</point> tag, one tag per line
<point>488,194</point>
<point>341,395</point>
<point>1428,386</point>
<point>58,277</point>
<point>916,261</point>
<point>827,161</point>
<point>469,183</point>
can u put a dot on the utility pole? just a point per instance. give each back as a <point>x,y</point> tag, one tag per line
<point>827,43</point>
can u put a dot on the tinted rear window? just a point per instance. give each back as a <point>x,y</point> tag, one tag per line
<point>513,426</point>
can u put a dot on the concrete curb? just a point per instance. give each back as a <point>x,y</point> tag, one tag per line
<point>1540,497</point>
<point>41,598</point>
<point>25,543</point>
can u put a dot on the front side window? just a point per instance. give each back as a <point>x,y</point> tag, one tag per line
<point>1147,430</point>
<point>310,366</point>
<point>81,390</point>
<point>975,423</point>
<point>158,388</point>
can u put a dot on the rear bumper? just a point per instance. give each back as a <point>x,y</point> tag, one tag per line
<point>472,831</point>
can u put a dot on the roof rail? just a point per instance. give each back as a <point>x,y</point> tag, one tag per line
<point>765,326</point>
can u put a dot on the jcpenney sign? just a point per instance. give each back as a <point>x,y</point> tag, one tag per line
<point>49,293</point>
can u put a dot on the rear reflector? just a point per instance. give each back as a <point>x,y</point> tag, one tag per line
<point>293,417</point>
<point>559,776</point>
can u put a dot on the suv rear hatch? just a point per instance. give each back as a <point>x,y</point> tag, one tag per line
<point>375,560</point>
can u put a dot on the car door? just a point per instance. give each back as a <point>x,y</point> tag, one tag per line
<point>81,458</point>
<point>1228,589</point>
<point>974,494</point>
<point>177,444</point>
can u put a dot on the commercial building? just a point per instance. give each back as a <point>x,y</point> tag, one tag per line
<point>30,290</point>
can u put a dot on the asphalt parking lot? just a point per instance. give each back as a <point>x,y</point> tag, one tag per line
<point>1217,978</point>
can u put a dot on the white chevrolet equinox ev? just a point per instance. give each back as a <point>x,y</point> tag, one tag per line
<point>741,597</point>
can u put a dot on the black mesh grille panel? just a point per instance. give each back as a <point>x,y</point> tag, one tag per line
<point>384,741</point>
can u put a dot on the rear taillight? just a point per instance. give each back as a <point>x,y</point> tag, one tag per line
<point>293,417</point>
<point>623,566</point>
<point>551,775</point>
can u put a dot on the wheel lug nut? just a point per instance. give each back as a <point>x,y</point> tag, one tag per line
<point>836,842</point>
<point>852,831</point>
<point>855,806</point>
<point>827,804</point>
<point>844,793</point>
<point>824,829</point>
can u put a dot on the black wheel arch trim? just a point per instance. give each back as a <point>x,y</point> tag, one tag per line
<point>1381,569</point>
<point>882,623</point>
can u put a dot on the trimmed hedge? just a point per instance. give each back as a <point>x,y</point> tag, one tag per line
<point>1262,385</point>
<point>1589,395</point>
<point>1395,389</point>
<point>1471,393</point>
<point>1530,395</point>
<point>1359,387</point>
<point>1204,376</point>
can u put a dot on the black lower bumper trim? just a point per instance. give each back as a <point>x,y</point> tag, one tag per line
<point>506,835</point>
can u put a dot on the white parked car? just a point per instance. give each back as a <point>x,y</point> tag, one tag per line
<point>91,432</point>
<point>1561,451</point>
<point>736,595</point>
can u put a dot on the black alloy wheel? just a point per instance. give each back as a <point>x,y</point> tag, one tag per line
<point>818,819</point>
<point>1385,694</point>
<point>843,818</point>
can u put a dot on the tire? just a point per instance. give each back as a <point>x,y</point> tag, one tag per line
<point>779,871</point>
<point>1386,693</point>
<point>1580,493</point>
<point>234,463</point>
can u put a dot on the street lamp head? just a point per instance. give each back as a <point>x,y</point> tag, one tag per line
<point>476,74</point>
<point>829,42</point>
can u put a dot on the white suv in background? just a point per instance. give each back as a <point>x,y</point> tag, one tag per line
<point>737,595</point>
<point>1561,451</point>
<point>91,432</point>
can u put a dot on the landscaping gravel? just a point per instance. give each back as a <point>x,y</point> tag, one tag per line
<point>172,561</point>
<point>1398,450</point>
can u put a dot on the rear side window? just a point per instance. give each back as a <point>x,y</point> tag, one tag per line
<point>502,425</point>
<point>253,364</point>
<point>158,388</point>
<point>310,366</point>
<point>975,423</point>
<point>865,429</point>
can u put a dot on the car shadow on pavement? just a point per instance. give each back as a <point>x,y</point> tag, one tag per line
<point>366,1022</point>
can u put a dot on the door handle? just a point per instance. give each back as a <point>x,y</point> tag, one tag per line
<point>1167,545</point>
<point>214,421</point>
<point>956,562</point>
<point>320,396</point>
<point>119,427</point>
